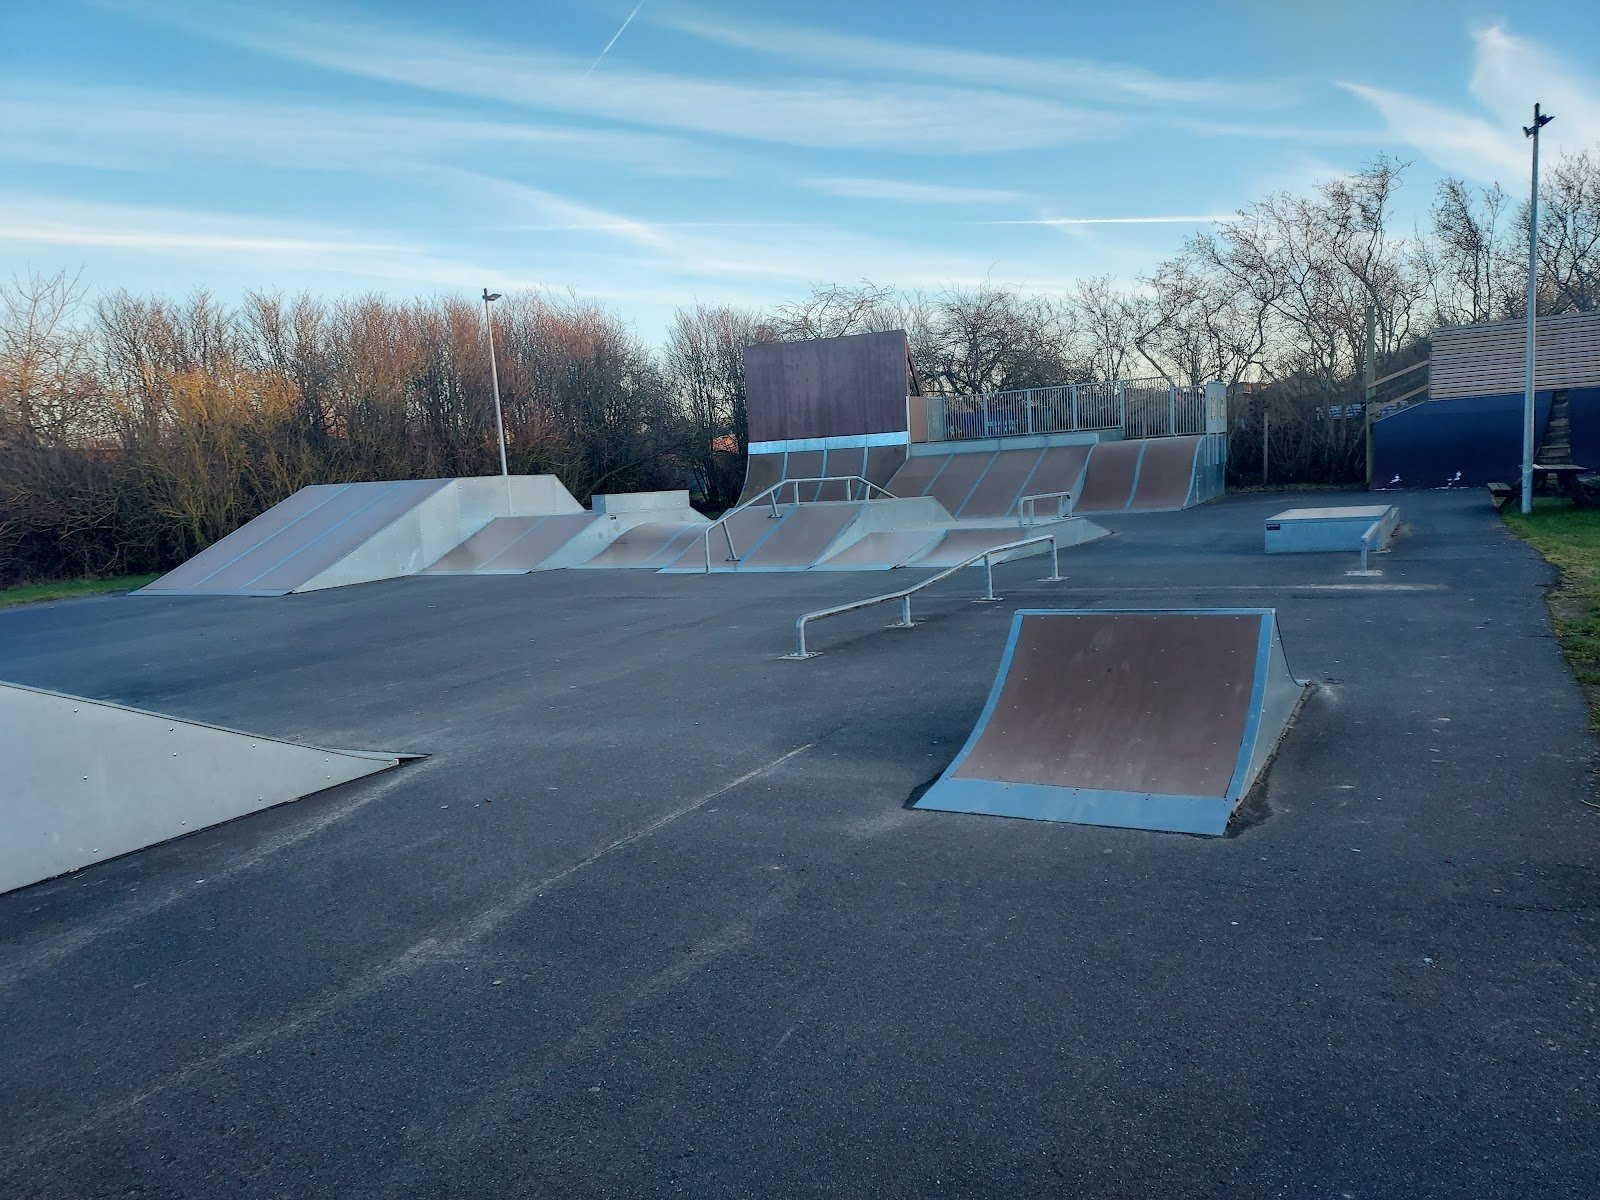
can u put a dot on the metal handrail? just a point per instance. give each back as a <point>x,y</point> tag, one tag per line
<point>849,482</point>
<point>1367,539</point>
<point>1027,510</point>
<point>905,594</point>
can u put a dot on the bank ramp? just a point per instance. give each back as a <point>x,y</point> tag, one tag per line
<point>1137,719</point>
<point>87,780</point>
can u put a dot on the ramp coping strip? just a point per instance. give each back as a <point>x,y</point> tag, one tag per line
<point>1252,722</point>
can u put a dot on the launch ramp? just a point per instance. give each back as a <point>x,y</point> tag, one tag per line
<point>1138,719</point>
<point>88,780</point>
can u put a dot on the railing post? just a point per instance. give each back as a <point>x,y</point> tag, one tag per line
<point>905,611</point>
<point>985,432</point>
<point>1055,560</point>
<point>988,577</point>
<point>1027,409</point>
<point>800,645</point>
<point>727,536</point>
<point>1122,408</point>
<point>1172,409</point>
<point>1074,399</point>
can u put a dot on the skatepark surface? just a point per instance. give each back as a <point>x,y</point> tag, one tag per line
<point>654,919</point>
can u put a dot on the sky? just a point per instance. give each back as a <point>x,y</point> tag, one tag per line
<point>657,154</point>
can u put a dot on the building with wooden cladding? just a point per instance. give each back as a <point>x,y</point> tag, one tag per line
<point>1490,359</point>
<point>1468,431</point>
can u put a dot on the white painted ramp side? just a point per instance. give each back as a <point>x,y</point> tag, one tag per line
<point>86,780</point>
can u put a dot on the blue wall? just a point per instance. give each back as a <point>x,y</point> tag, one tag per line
<point>1480,436</point>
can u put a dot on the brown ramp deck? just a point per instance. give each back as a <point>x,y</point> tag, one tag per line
<point>649,546</point>
<point>1108,482</point>
<point>954,484</point>
<point>1166,476</point>
<point>917,474</point>
<point>958,545</point>
<point>1145,720</point>
<point>1060,470</point>
<point>996,494</point>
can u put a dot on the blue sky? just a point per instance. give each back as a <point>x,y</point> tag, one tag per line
<point>725,152</point>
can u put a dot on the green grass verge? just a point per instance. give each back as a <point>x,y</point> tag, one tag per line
<point>70,589</point>
<point>1570,538</point>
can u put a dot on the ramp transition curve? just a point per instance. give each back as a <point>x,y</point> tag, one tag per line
<point>1137,719</point>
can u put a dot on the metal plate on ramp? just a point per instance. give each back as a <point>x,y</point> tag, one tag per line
<point>1139,719</point>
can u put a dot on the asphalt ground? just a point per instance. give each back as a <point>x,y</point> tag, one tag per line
<point>653,918</point>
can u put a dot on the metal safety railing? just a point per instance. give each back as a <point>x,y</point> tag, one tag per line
<point>1138,407</point>
<point>771,495</point>
<point>905,594</point>
<point>1027,507</point>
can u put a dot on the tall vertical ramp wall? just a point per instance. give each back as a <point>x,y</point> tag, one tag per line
<point>87,780</point>
<point>1144,720</point>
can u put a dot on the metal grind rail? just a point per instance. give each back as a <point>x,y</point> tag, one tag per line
<point>1373,533</point>
<point>771,494</point>
<point>905,594</point>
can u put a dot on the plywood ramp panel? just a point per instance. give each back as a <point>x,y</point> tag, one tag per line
<point>1060,470</point>
<point>1002,484</point>
<point>955,483</point>
<point>1108,481</point>
<point>761,472</point>
<point>1166,476</point>
<point>1156,720</point>
<point>917,474</point>
<point>849,460</point>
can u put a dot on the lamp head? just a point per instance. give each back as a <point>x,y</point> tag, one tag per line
<point>488,295</point>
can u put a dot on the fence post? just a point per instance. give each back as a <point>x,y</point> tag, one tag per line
<point>1074,399</point>
<point>1122,408</point>
<point>985,432</point>
<point>1027,409</point>
<point>1172,409</point>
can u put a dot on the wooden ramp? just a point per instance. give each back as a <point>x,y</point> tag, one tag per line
<point>1137,719</point>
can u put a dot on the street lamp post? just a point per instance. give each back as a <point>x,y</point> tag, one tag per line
<point>1540,120</point>
<point>494,376</point>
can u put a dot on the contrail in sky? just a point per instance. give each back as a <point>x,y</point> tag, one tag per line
<point>615,36</point>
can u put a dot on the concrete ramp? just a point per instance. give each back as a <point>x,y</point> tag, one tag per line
<point>87,780</point>
<point>1144,720</point>
<point>962,542</point>
<point>513,545</point>
<point>335,534</point>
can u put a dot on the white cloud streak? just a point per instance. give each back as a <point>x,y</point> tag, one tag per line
<point>1211,219</point>
<point>813,112</point>
<point>908,192</point>
<point>1098,80</point>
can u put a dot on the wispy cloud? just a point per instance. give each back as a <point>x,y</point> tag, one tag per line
<point>263,248</point>
<point>1509,74</point>
<point>815,112</point>
<point>1099,80</point>
<point>909,192</point>
<point>135,128</point>
<point>1451,139</point>
<point>1210,219</point>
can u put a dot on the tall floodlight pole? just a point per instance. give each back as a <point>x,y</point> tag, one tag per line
<point>1540,120</point>
<point>494,376</point>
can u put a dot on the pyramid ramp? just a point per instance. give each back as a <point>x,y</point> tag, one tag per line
<point>87,780</point>
<point>1136,719</point>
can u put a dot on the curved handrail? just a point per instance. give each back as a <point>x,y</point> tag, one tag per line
<point>904,594</point>
<point>771,494</point>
